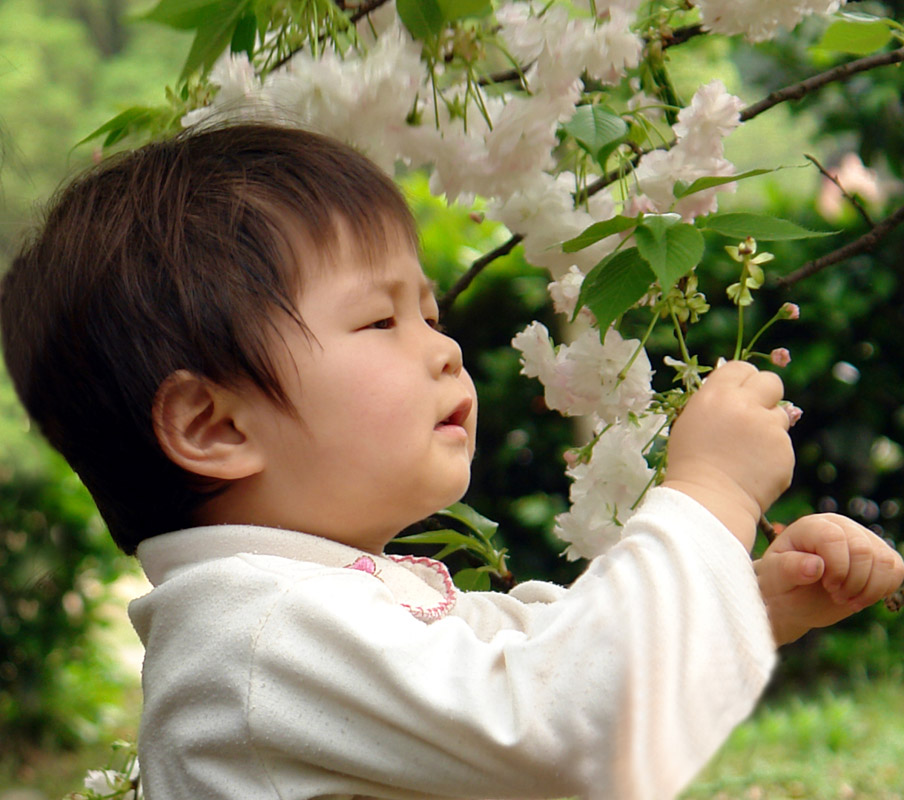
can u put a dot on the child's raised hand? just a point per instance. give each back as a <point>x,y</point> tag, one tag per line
<point>821,569</point>
<point>729,449</point>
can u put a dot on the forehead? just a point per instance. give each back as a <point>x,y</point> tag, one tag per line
<point>382,259</point>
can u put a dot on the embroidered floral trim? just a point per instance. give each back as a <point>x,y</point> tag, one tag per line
<point>430,570</point>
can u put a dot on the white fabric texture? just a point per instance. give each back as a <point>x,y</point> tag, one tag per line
<point>280,665</point>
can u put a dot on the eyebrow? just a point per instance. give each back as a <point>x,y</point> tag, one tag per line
<point>426,288</point>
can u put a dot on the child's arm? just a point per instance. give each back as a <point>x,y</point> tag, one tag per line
<point>821,569</point>
<point>729,450</point>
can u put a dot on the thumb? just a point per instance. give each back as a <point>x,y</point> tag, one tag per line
<point>782,572</point>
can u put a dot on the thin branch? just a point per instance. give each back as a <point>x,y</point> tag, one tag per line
<point>681,35</point>
<point>361,11</point>
<point>862,245</point>
<point>842,72</point>
<point>446,301</point>
<point>844,192</point>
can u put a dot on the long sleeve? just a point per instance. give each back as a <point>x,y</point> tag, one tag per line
<point>620,687</point>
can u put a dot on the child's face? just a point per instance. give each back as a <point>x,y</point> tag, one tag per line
<point>387,415</point>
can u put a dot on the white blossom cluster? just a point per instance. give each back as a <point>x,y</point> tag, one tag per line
<point>381,99</point>
<point>760,20</point>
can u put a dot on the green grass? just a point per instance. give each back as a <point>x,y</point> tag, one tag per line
<point>832,746</point>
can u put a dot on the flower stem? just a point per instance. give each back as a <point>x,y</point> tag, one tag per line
<point>681,343</point>
<point>746,352</point>
<point>740,341</point>
<point>623,374</point>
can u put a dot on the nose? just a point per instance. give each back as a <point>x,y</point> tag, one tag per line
<point>445,355</point>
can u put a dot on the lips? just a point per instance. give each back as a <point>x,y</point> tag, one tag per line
<point>458,416</point>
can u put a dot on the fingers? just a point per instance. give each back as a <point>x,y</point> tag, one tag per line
<point>764,386</point>
<point>859,567</point>
<point>782,572</point>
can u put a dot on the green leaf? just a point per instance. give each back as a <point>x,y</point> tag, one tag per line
<point>245,35</point>
<point>459,9</point>
<point>738,225</point>
<point>856,34</point>
<point>213,37</point>
<point>598,231</point>
<point>478,523</point>
<point>702,184</point>
<point>614,285</point>
<point>670,247</point>
<point>472,580</point>
<point>187,14</point>
<point>597,130</point>
<point>445,537</point>
<point>121,125</point>
<point>423,18</point>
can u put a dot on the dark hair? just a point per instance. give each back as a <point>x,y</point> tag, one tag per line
<point>174,256</point>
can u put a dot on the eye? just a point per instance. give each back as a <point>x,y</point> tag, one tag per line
<point>383,324</point>
<point>434,323</point>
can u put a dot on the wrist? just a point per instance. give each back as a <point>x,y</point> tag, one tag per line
<point>736,510</point>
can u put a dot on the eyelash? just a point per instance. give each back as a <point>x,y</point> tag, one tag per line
<point>389,322</point>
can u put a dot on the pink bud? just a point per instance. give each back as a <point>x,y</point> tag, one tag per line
<point>572,457</point>
<point>780,357</point>
<point>793,412</point>
<point>790,311</point>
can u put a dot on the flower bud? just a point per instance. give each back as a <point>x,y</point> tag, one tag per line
<point>747,247</point>
<point>789,311</point>
<point>780,357</point>
<point>793,412</point>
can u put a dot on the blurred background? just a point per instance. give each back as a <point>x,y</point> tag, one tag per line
<point>831,726</point>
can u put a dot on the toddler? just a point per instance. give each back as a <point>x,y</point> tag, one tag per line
<point>230,338</point>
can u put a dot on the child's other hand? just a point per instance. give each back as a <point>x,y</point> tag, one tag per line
<point>730,450</point>
<point>821,569</point>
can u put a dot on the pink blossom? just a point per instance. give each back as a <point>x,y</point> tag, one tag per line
<point>790,311</point>
<point>781,357</point>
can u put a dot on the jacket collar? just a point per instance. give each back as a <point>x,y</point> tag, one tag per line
<point>422,585</point>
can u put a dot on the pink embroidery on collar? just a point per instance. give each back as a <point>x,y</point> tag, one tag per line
<point>440,610</point>
<point>365,564</point>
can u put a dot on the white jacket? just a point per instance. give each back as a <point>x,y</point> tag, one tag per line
<point>282,665</point>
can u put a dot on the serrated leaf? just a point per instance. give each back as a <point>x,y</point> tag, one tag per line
<point>671,248</point>
<point>597,130</point>
<point>472,580</point>
<point>423,18</point>
<point>614,285</point>
<point>738,225</point>
<point>856,36</point>
<point>599,231</point>
<point>459,9</point>
<point>478,523</point>
<point>186,14</point>
<point>702,184</point>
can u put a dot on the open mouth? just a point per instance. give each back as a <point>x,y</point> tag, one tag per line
<point>458,416</point>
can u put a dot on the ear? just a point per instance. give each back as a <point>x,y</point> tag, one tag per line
<point>197,425</point>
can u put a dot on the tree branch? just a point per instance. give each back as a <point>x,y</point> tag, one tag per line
<point>842,72</point>
<point>446,301</point>
<point>681,35</point>
<point>862,245</point>
<point>844,192</point>
<point>360,12</point>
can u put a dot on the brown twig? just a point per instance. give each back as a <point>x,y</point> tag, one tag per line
<point>361,11</point>
<point>862,245</point>
<point>842,72</point>
<point>681,35</point>
<point>849,197</point>
<point>446,301</point>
